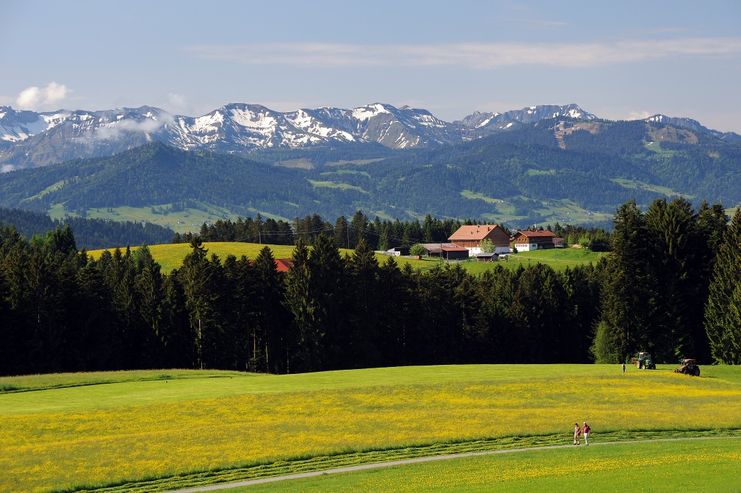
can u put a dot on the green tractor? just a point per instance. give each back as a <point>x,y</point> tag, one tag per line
<point>644,361</point>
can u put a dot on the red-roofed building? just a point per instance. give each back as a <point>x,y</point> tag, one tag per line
<point>283,264</point>
<point>526,241</point>
<point>471,236</point>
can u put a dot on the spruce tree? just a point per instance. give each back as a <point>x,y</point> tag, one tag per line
<point>628,289</point>
<point>723,309</point>
<point>304,351</point>
<point>363,272</point>
<point>327,290</point>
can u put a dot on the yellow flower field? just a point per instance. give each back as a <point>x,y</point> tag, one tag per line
<point>100,433</point>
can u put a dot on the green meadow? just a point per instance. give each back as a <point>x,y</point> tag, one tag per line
<point>655,467</point>
<point>157,430</point>
<point>171,255</point>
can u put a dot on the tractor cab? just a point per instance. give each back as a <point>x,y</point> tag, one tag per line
<point>644,361</point>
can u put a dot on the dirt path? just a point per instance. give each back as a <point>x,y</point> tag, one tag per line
<point>418,460</point>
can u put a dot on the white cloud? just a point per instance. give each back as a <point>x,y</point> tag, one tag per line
<point>471,55</point>
<point>638,115</point>
<point>35,97</point>
<point>119,129</point>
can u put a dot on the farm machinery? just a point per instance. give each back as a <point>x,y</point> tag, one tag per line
<point>688,367</point>
<point>644,361</point>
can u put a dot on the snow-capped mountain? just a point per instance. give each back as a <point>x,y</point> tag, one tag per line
<point>30,139</point>
<point>479,124</point>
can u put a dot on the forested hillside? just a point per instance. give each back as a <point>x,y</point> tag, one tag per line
<point>62,311</point>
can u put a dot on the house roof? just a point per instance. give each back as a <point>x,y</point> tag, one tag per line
<point>283,264</point>
<point>473,232</point>
<point>443,247</point>
<point>537,234</point>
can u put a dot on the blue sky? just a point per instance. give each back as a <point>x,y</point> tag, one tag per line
<point>622,59</point>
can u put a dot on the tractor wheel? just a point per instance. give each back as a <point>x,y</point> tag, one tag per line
<point>696,371</point>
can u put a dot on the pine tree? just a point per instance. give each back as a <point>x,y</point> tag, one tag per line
<point>363,273</point>
<point>306,339</point>
<point>176,335</point>
<point>148,289</point>
<point>342,232</point>
<point>675,245</point>
<point>723,309</point>
<point>201,288</point>
<point>327,290</point>
<point>268,337</point>
<point>628,289</point>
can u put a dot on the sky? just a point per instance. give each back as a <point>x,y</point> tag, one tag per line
<point>618,60</point>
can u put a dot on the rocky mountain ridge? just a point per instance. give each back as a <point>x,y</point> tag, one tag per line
<point>31,139</point>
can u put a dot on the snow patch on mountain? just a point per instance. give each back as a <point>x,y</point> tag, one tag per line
<point>369,111</point>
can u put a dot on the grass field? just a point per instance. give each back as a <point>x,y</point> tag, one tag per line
<point>696,465</point>
<point>171,256</point>
<point>157,424</point>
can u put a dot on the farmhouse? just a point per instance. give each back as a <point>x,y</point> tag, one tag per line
<point>526,241</point>
<point>448,251</point>
<point>471,236</point>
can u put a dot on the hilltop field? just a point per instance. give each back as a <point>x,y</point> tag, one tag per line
<point>170,256</point>
<point>158,430</point>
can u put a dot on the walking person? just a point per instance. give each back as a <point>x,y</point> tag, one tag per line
<point>585,430</point>
<point>623,368</point>
<point>577,433</point>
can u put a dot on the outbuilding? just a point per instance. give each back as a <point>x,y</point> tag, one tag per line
<point>526,241</point>
<point>447,251</point>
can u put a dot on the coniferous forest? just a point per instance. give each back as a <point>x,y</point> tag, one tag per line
<point>670,286</point>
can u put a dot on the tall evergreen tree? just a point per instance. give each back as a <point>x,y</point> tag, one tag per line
<point>628,290</point>
<point>148,290</point>
<point>201,287</point>
<point>676,245</point>
<point>723,309</point>
<point>327,289</point>
<point>269,334</point>
<point>342,232</point>
<point>307,335</point>
<point>176,335</point>
<point>363,277</point>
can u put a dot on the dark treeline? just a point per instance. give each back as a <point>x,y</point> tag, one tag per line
<point>377,233</point>
<point>89,233</point>
<point>672,284</point>
<point>62,311</point>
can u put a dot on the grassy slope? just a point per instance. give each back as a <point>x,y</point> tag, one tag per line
<point>146,427</point>
<point>170,256</point>
<point>696,465</point>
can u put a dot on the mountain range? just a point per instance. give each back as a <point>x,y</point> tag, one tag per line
<point>31,139</point>
<point>540,164</point>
